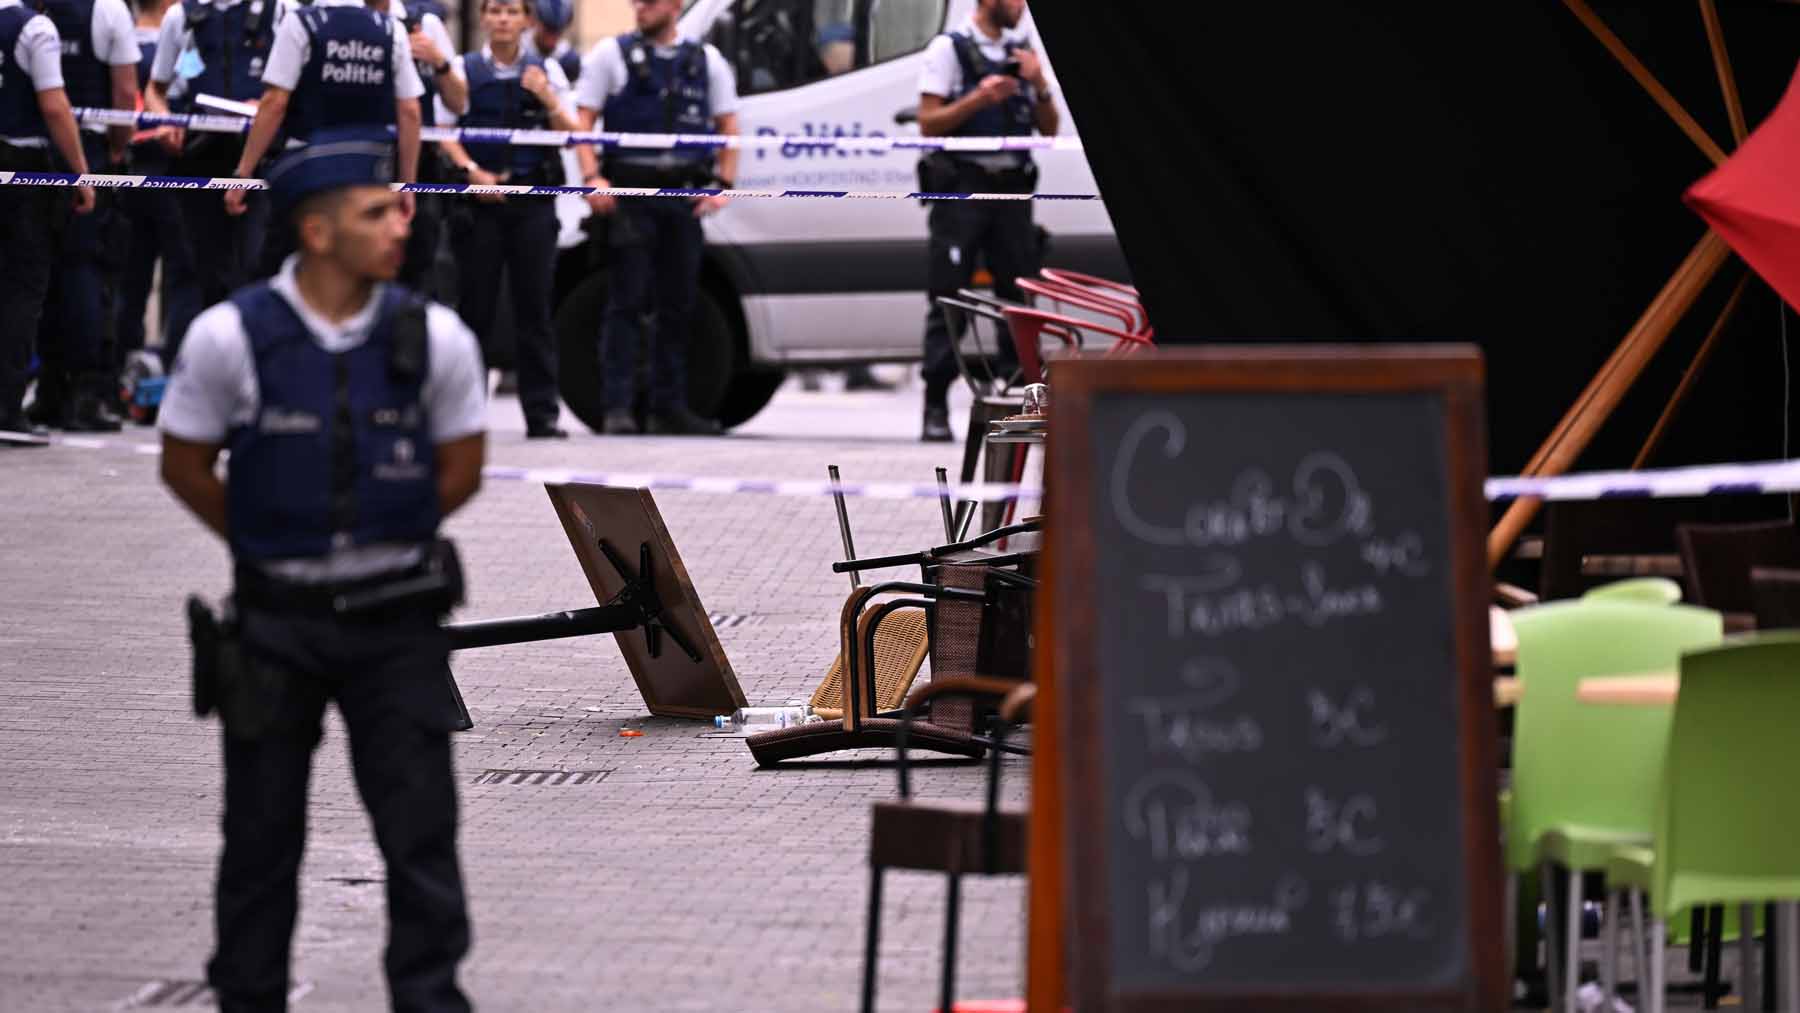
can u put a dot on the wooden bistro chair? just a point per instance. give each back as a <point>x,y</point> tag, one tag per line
<point>1589,543</point>
<point>959,581</point>
<point>956,838</point>
<point>1718,558</point>
<point>1775,597</point>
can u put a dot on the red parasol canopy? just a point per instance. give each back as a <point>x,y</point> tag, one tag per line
<point>1753,200</point>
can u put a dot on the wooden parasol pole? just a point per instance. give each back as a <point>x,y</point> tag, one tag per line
<point>1715,36</point>
<point>1608,389</point>
<point>1635,67</point>
<point>1695,368</point>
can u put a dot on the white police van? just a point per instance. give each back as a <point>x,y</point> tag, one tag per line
<point>796,283</point>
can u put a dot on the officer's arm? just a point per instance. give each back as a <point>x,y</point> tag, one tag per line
<point>454,91</point>
<point>458,468</point>
<point>59,118</point>
<point>269,114</point>
<point>407,121</point>
<point>938,118</point>
<point>1045,115</point>
<point>188,471</point>
<point>728,157</point>
<point>156,97</point>
<point>124,96</point>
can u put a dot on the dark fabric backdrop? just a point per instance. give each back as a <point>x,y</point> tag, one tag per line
<point>1364,170</point>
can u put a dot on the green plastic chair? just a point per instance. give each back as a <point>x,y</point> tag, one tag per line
<point>1586,778</point>
<point>1648,590</point>
<point>1726,831</point>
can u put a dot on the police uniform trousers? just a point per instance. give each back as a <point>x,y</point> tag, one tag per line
<point>386,675</point>
<point>225,249</point>
<point>157,234</point>
<point>519,236</point>
<point>31,221</point>
<point>75,336</point>
<point>654,248</point>
<point>997,234</point>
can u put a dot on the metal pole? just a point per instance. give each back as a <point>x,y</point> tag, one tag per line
<point>549,626</point>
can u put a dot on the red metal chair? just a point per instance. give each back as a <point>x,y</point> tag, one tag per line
<point>1126,314</point>
<point>1106,288</point>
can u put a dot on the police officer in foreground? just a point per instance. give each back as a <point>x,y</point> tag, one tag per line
<point>512,89</point>
<point>216,48</point>
<point>978,81</point>
<point>338,65</point>
<point>651,81</point>
<point>353,410</point>
<point>34,116</point>
<point>75,337</point>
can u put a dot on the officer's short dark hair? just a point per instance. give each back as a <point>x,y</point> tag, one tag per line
<point>325,202</point>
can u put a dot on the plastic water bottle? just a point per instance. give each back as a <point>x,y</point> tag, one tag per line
<point>141,385</point>
<point>750,720</point>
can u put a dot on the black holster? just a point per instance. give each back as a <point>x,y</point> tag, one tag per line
<point>245,690</point>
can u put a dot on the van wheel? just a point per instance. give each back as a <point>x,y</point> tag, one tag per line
<point>719,385</point>
<point>749,392</point>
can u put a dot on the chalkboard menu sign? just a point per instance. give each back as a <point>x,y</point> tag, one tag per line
<point>1270,636</point>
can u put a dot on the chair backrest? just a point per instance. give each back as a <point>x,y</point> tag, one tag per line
<point>1717,559</point>
<point>1775,595</point>
<point>956,641</point>
<point>1596,765</point>
<point>1726,832</point>
<point>1648,590</point>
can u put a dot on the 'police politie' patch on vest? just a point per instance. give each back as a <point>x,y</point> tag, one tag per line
<point>353,61</point>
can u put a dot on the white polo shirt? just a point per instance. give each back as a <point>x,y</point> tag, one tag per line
<point>213,389</point>
<point>293,47</point>
<point>604,74</point>
<point>39,54</point>
<point>113,38</point>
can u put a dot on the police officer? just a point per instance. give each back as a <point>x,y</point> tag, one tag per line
<point>214,48</point>
<point>978,81</point>
<point>432,52</point>
<point>341,65</point>
<point>75,336</point>
<point>651,81</point>
<point>550,19</point>
<point>509,88</point>
<point>156,226</point>
<point>353,410</point>
<point>34,115</point>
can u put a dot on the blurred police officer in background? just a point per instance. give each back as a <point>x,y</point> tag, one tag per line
<point>651,81</point>
<point>337,65</point>
<point>217,48</point>
<point>510,88</point>
<point>353,410</point>
<point>550,19</point>
<point>978,81</point>
<point>156,226</point>
<point>76,346</point>
<point>35,117</point>
<point>432,52</point>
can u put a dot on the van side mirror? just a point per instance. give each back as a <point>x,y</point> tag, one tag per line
<point>910,114</point>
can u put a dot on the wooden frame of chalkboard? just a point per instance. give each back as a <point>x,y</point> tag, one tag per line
<point>1314,934</point>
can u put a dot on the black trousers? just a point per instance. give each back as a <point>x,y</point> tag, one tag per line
<point>226,250</point>
<point>999,234</point>
<point>387,679</point>
<point>519,236</point>
<point>157,232</point>
<point>31,220</point>
<point>77,347</point>
<point>654,244</point>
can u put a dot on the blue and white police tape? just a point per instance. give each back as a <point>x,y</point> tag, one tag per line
<point>130,182</point>
<point>875,144</point>
<point>982,492</point>
<point>1749,479</point>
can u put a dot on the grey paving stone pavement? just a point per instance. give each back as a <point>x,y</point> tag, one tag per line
<point>682,879</point>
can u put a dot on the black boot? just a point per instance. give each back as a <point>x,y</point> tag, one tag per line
<point>677,420</point>
<point>937,423</point>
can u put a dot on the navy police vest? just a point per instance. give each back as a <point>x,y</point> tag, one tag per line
<point>340,444</point>
<point>662,95</point>
<point>146,40</point>
<point>348,81</point>
<point>570,61</point>
<point>20,117</point>
<point>1012,118</point>
<point>496,101</point>
<point>87,79</point>
<point>233,44</point>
